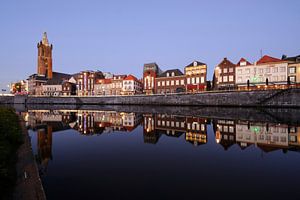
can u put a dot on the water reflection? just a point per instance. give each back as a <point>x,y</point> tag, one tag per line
<point>154,141</point>
<point>264,135</point>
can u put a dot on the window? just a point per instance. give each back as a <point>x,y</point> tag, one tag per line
<point>239,79</point>
<point>182,82</point>
<point>231,78</point>
<point>168,83</point>
<point>177,82</point>
<point>163,83</point>
<point>172,82</point>
<point>182,124</point>
<point>267,70</point>
<point>247,71</point>
<point>158,83</point>
<point>293,78</point>
<point>230,69</point>
<point>282,69</point>
<point>275,70</point>
<point>225,79</point>
<point>202,79</point>
<point>188,80</point>
<point>231,129</point>
<point>239,71</point>
<point>195,64</point>
<point>193,80</point>
<point>225,70</point>
<point>168,74</point>
<point>261,71</point>
<point>173,74</point>
<point>292,70</point>
<point>197,80</point>
<point>275,78</point>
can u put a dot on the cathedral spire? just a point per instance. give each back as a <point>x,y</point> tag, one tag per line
<point>45,39</point>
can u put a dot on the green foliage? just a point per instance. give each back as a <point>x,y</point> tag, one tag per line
<point>10,140</point>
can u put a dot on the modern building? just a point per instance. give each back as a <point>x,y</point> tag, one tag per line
<point>224,75</point>
<point>170,81</point>
<point>131,86</point>
<point>195,74</point>
<point>150,72</point>
<point>86,82</point>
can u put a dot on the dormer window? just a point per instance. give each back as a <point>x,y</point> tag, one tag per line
<point>173,74</point>
<point>243,63</point>
<point>168,74</point>
<point>195,63</point>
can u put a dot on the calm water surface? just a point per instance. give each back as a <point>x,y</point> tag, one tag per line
<point>94,154</point>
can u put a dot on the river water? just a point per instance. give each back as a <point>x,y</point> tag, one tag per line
<point>166,153</point>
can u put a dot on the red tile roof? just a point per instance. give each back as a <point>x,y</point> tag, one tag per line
<point>268,59</point>
<point>131,78</point>
<point>243,60</point>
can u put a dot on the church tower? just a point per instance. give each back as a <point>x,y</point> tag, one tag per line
<point>44,66</point>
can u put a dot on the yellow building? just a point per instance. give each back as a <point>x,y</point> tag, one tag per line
<point>293,68</point>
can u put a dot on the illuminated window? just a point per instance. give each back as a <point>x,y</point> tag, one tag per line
<point>292,70</point>
<point>225,70</point>
<point>225,79</point>
<point>177,82</point>
<point>202,79</point>
<point>168,83</point>
<point>182,82</point>
<point>230,69</point>
<point>158,83</point>
<point>172,82</point>
<point>231,78</point>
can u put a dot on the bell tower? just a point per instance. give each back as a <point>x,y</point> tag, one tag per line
<point>44,66</point>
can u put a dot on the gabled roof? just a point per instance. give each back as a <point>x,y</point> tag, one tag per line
<point>58,78</point>
<point>226,63</point>
<point>294,58</point>
<point>177,72</point>
<point>131,78</point>
<point>268,59</point>
<point>243,60</point>
<point>198,63</point>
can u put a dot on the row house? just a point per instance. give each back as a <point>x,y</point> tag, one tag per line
<point>131,86</point>
<point>86,82</point>
<point>59,84</point>
<point>293,68</point>
<point>196,73</point>
<point>150,72</point>
<point>103,87</point>
<point>117,84</point>
<point>266,72</point>
<point>171,81</point>
<point>224,75</point>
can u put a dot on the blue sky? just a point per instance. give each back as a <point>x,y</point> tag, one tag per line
<point>120,36</point>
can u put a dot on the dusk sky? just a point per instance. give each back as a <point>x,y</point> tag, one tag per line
<point>120,36</point>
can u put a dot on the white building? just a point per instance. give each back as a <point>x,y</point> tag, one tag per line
<point>267,72</point>
<point>131,86</point>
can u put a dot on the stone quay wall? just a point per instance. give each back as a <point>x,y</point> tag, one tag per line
<point>264,98</point>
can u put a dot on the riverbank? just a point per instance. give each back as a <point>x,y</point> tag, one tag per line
<point>29,185</point>
<point>10,141</point>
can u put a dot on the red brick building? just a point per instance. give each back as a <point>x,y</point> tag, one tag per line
<point>150,72</point>
<point>171,81</point>
<point>224,75</point>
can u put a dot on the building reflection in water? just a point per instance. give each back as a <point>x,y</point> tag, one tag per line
<point>227,132</point>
